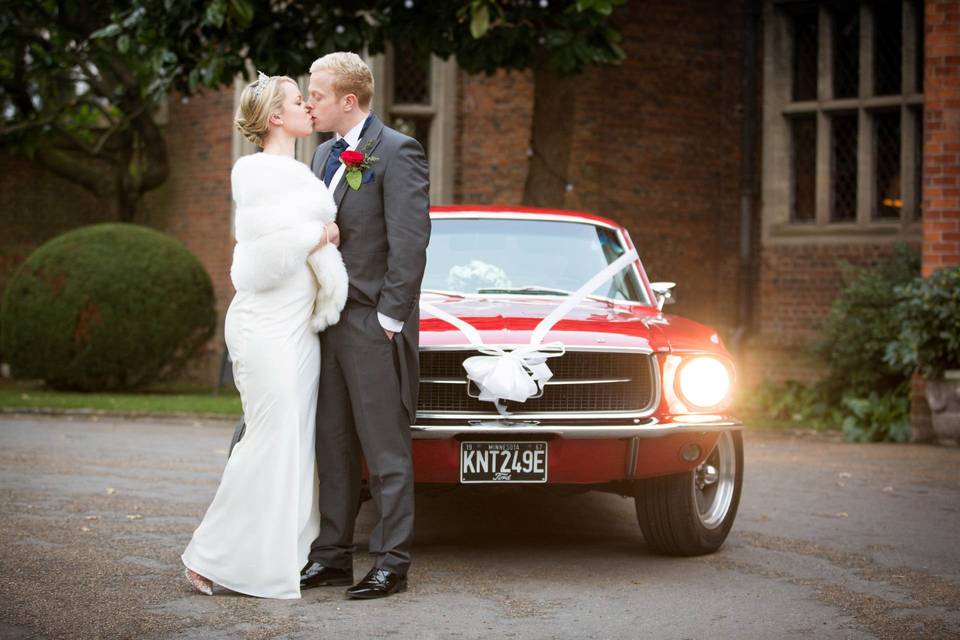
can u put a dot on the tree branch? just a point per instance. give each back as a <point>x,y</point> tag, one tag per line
<point>78,170</point>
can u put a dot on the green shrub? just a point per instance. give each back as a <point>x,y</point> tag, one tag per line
<point>877,417</point>
<point>794,402</point>
<point>865,394</point>
<point>873,417</point>
<point>861,325</point>
<point>110,306</point>
<point>928,314</point>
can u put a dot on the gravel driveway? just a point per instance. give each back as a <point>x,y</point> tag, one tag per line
<point>833,540</point>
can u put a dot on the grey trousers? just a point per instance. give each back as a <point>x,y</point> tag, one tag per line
<point>360,409</point>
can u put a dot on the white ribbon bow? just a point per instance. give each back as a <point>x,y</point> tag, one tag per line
<point>516,375</point>
<point>520,373</point>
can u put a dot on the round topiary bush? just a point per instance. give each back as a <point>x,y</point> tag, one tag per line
<point>109,306</point>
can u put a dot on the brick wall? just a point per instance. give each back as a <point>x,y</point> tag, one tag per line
<point>797,285</point>
<point>941,146</point>
<point>657,148</point>
<point>194,203</point>
<point>493,135</point>
<point>941,164</point>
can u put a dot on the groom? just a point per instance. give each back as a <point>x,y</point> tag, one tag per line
<point>369,364</point>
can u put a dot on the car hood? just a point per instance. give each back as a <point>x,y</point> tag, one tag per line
<point>511,320</point>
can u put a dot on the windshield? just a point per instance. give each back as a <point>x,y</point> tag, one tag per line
<point>524,257</point>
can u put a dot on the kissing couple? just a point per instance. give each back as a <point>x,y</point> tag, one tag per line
<point>337,248</point>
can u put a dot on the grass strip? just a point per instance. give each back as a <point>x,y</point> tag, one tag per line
<point>33,397</point>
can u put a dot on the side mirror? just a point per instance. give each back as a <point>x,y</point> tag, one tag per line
<point>662,290</point>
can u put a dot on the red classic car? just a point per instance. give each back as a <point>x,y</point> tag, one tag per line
<point>634,402</point>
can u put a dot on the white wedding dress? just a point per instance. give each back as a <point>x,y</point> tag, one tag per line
<point>256,534</point>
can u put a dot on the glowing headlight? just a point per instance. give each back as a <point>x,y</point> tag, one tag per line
<point>704,382</point>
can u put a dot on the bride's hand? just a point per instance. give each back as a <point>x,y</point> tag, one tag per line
<point>333,234</point>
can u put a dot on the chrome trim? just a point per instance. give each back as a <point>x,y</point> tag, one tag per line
<point>519,215</point>
<point>653,429</point>
<point>548,382</point>
<point>568,415</point>
<point>443,380</point>
<point>633,457</point>
<point>588,381</point>
<point>469,347</point>
<point>713,499</point>
<point>508,215</point>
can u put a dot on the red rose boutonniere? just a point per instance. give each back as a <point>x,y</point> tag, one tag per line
<point>356,162</point>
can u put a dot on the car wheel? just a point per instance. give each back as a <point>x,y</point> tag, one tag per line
<point>690,514</point>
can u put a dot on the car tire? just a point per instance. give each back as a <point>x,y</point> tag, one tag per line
<point>690,514</point>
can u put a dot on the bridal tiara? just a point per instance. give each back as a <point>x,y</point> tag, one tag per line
<point>262,80</point>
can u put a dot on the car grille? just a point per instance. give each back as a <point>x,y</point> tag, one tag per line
<point>590,375</point>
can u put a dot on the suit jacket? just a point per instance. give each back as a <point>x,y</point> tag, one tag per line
<point>384,231</point>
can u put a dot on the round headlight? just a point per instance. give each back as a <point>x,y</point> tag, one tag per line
<point>704,381</point>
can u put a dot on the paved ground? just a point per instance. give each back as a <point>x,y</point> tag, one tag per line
<point>833,541</point>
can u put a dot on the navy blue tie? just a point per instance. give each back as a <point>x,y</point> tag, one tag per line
<point>333,161</point>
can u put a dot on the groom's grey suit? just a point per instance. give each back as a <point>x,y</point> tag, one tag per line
<point>368,383</point>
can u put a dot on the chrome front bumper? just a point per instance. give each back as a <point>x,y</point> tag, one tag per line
<point>647,428</point>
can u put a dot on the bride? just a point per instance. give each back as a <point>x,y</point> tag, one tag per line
<point>256,534</point>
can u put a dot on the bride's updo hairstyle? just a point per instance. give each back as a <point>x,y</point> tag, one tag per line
<point>260,100</point>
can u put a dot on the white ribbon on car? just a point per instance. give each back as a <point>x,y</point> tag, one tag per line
<point>520,373</point>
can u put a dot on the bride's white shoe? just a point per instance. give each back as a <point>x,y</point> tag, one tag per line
<point>199,583</point>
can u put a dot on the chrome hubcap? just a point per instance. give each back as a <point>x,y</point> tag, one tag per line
<point>707,474</point>
<point>714,481</point>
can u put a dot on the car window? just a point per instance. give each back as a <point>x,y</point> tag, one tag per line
<point>524,256</point>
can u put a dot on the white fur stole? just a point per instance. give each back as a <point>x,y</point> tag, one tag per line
<point>281,212</point>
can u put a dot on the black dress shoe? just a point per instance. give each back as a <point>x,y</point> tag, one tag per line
<point>317,575</point>
<point>379,583</point>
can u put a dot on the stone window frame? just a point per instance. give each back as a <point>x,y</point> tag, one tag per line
<point>779,108</point>
<point>441,110</point>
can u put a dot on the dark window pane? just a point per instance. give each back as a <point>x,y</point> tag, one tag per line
<point>846,51</point>
<point>416,127</point>
<point>919,31</point>
<point>805,30</point>
<point>411,77</point>
<point>917,115</point>
<point>804,164</point>
<point>843,174</point>
<point>887,146</point>
<point>887,46</point>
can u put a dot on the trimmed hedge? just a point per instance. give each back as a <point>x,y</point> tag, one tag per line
<point>104,307</point>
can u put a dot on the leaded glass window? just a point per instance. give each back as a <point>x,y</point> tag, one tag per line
<point>887,47</point>
<point>887,140</point>
<point>805,39</point>
<point>846,51</point>
<point>843,169</point>
<point>848,75</point>
<point>804,163</point>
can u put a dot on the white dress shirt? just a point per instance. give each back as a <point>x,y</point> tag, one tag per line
<point>353,139</point>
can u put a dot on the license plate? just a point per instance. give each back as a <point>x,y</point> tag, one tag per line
<point>503,462</point>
